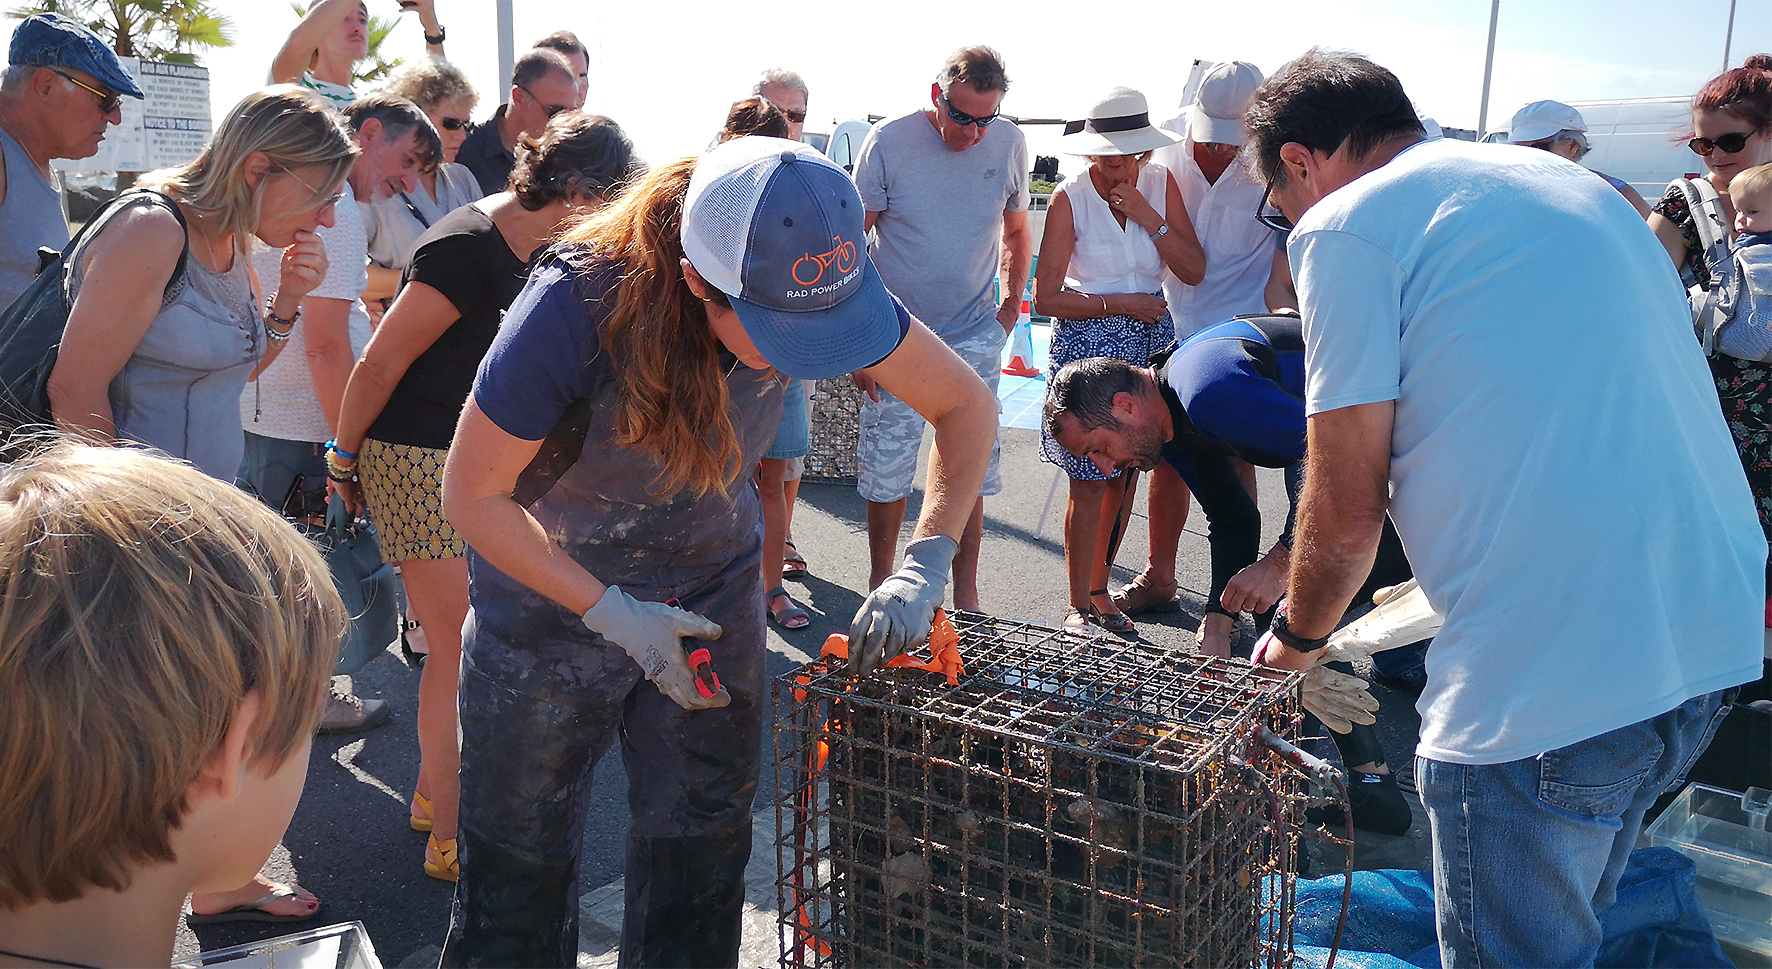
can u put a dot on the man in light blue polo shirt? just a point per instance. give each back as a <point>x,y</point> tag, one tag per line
<point>1499,353</point>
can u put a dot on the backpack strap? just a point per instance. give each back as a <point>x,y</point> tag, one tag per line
<point>1705,209</point>
<point>103,216</point>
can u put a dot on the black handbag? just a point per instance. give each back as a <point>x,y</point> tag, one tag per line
<point>31,328</point>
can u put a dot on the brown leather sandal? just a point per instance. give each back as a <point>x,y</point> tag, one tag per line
<point>1140,595</point>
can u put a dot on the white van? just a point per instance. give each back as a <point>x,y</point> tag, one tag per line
<point>842,144</point>
<point>1639,140</point>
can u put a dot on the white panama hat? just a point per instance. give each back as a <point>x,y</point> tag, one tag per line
<point>1119,124</point>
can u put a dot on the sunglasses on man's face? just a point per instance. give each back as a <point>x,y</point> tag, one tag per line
<point>107,103</point>
<point>551,109</point>
<point>1269,214</point>
<point>1730,143</point>
<point>963,119</point>
<point>457,124</point>
<point>797,117</point>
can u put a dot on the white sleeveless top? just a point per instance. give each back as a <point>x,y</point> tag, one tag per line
<point>1109,259</point>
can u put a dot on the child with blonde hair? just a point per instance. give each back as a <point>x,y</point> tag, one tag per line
<point>166,643</point>
<point>1735,316</point>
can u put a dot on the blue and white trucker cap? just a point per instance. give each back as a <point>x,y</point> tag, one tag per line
<point>778,228</point>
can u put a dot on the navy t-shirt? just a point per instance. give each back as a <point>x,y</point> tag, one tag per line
<point>1238,388</point>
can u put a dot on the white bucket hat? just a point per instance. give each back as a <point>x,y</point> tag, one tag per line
<point>1542,119</point>
<point>1119,124</point>
<point>1216,116</point>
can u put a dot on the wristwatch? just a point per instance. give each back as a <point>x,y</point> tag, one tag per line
<point>1162,231</point>
<point>438,39</point>
<point>1291,640</point>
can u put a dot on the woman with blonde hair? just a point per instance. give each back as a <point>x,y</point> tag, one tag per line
<point>404,395</point>
<point>160,357</point>
<point>600,477</point>
<point>446,96</point>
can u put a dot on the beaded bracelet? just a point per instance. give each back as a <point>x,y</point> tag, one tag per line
<point>279,336</point>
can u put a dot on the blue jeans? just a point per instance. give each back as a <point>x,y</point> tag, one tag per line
<point>1526,853</point>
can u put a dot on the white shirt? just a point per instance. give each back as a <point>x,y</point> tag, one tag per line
<point>1239,250</point>
<point>1109,258</point>
<point>1561,475</point>
<point>281,403</point>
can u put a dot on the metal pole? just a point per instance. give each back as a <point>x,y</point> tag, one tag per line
<point>1729,35</point>
<point>507,59</point>
<point>1488,71</point>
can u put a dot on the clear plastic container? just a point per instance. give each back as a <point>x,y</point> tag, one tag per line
<point>1726,835</point>
<point>342,946</point>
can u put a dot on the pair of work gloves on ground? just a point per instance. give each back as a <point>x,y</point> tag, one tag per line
<point>895,617</point>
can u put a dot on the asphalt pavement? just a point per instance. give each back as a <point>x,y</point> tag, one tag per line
<point>349,842</point>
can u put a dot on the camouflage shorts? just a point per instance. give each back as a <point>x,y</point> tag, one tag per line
<point>892,433</point>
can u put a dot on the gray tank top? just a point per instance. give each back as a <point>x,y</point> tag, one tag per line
<point>30,218</point>
<point>180,390</point>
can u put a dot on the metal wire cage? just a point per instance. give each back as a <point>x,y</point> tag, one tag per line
<point>1073,801</point>
<point>835,426</point>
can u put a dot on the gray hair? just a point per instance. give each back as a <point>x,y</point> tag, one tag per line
<point>1084,391</point>
<point>781,77</point>
<point>397,116</point>
<point>537,63</point>
<point>429,82</point>
<point>978,65</point>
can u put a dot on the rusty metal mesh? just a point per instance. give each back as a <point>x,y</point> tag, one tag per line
<point>835,423</point>
<point>1073,801</point>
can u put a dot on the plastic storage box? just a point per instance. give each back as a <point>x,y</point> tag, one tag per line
<point>1725,834</point>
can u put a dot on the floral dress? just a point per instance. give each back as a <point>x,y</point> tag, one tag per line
<point>1744,387</point>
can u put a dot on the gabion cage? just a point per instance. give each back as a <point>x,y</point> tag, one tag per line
<point>1073,801</point>
<point>835,419</point>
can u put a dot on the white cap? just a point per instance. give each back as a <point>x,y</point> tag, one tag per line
<point>1542,119</point>
<point>1216,115</point>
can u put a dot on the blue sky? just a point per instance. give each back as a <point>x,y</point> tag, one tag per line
<point>667,72</point>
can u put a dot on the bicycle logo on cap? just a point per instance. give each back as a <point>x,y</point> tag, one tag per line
<point>843,255</point>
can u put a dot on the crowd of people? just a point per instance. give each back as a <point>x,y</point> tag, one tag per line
<point>571,392</point>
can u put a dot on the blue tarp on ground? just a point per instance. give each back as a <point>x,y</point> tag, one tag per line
<point>1657,921</point>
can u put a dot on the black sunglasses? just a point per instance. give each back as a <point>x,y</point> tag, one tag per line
<point>1730,143</point>
<point>457,124</point>
<point>106,102</point>
<point>962,118</point>
<point>552,109</point>
<point>797,117</point>
<point>1270,216</point>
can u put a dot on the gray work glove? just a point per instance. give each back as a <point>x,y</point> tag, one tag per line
<point>1338,699</point>
<point>651,633</point>
<point>897,616</point>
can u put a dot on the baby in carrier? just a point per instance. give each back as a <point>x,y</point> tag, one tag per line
<point>1740,314</point>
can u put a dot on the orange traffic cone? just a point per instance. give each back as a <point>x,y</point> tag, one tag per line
<point>1021,346</point>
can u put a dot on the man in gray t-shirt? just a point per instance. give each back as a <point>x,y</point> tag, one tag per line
<point>946,190</point>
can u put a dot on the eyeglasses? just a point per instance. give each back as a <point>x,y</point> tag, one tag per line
<point>456,124</point>
<point>107,103</point>
<point>333,199</point>
<point>1269,215</point>
<point>962,118</point>
<point>797,117</point>
<point>1730,143</point>
<point>552,109</point>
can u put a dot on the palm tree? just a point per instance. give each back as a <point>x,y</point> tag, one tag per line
<point>156,30</point>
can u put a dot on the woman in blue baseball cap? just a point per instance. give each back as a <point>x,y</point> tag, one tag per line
<point>600,476</point>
